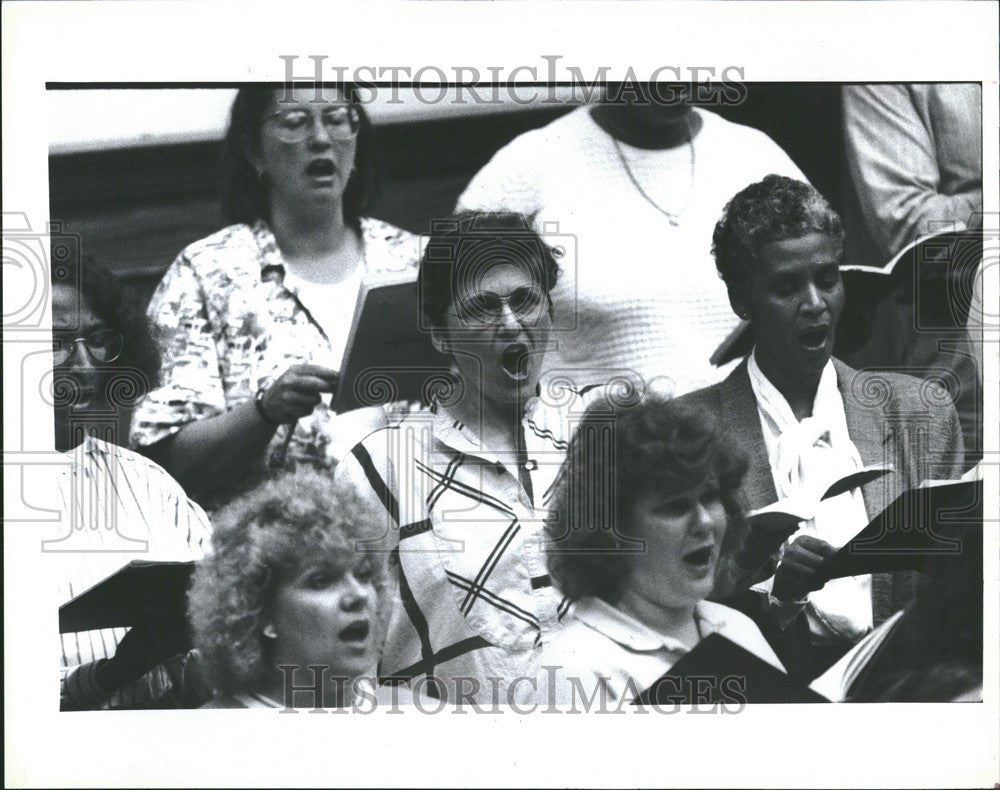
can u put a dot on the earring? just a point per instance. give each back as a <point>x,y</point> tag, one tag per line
<point>269,631</point>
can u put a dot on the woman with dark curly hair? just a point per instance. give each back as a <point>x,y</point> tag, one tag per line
<point>645,509</point>
<point>120,363</point>
<point>806,419</point>
<point>253,320</point>
<point>115,505</point>
<point>291,594</point>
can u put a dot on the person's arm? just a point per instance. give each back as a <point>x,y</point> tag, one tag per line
<point>893,164</point>
<point>739,572</point>
<point>184,424</point>
<point>86,686</point>
<point>219,449</point>
<point>370,474</point>
<point>79,688</point>
<point>215,450</point>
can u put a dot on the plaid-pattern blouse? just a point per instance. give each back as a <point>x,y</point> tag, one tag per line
<point>226,324</point>
<point>474,598</point>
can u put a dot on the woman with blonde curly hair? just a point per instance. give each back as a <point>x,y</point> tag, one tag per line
<point>291,596</point>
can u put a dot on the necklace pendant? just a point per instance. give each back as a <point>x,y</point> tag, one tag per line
<point>672,219</point>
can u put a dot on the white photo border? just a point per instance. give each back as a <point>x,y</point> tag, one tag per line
<point>833,746</point>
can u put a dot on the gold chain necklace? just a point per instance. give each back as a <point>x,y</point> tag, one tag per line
<point>673,217</point>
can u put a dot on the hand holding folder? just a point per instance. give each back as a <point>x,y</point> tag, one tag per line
<point>771,526</point>
<point>147,597</point>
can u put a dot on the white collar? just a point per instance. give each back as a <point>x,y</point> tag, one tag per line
<point>458,436</point>
<point>629,632</point>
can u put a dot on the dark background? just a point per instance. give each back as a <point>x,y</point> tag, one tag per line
<point>136,208</point>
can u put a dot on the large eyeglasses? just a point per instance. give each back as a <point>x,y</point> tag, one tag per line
<point>294,124</point>
<point>486,307</point>
<point>103,345</point>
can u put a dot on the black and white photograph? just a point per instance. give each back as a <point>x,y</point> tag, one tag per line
<point>411,393</point>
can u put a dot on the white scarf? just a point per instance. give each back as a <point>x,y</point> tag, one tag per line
<point>806,457</point>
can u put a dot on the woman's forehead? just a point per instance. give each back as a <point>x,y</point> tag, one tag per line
<point>668,485</point>
<point>811,249</point>
<point>335,556</point>
<point>71,311</point>
<point>500,264</point>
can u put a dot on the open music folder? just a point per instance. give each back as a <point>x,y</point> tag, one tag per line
<point>919,529</point>
<point>785,515</point>
<point>130,596</point>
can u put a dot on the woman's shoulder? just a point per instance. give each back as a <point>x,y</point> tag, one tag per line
<point>224,250</point>
<point>212,265</point>
<point>878,388</point>
<point>157,481</point>
<point>387,247</point>
<point>715,126</point>
<point>745,150</point>
<point>225,238</point>
<point>707,398</point>
<point>575,647</point>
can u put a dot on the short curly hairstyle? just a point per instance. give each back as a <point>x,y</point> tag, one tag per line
<point>775,209</point>
<point>258,541</point>
<point>467,245</point>
<point>618,452</point>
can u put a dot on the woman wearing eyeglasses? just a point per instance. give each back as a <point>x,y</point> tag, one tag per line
<point>252,321</point>
<point>114,505</point>
<point>463,491</point>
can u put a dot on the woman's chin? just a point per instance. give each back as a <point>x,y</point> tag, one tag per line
<point>356,663</point>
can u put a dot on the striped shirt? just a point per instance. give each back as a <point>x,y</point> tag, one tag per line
<point>474,599</point>
<point>116,506</point>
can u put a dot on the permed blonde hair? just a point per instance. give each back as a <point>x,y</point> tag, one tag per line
<point>260,540</point>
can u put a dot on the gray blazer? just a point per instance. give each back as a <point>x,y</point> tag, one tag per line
<point>891,418</point>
